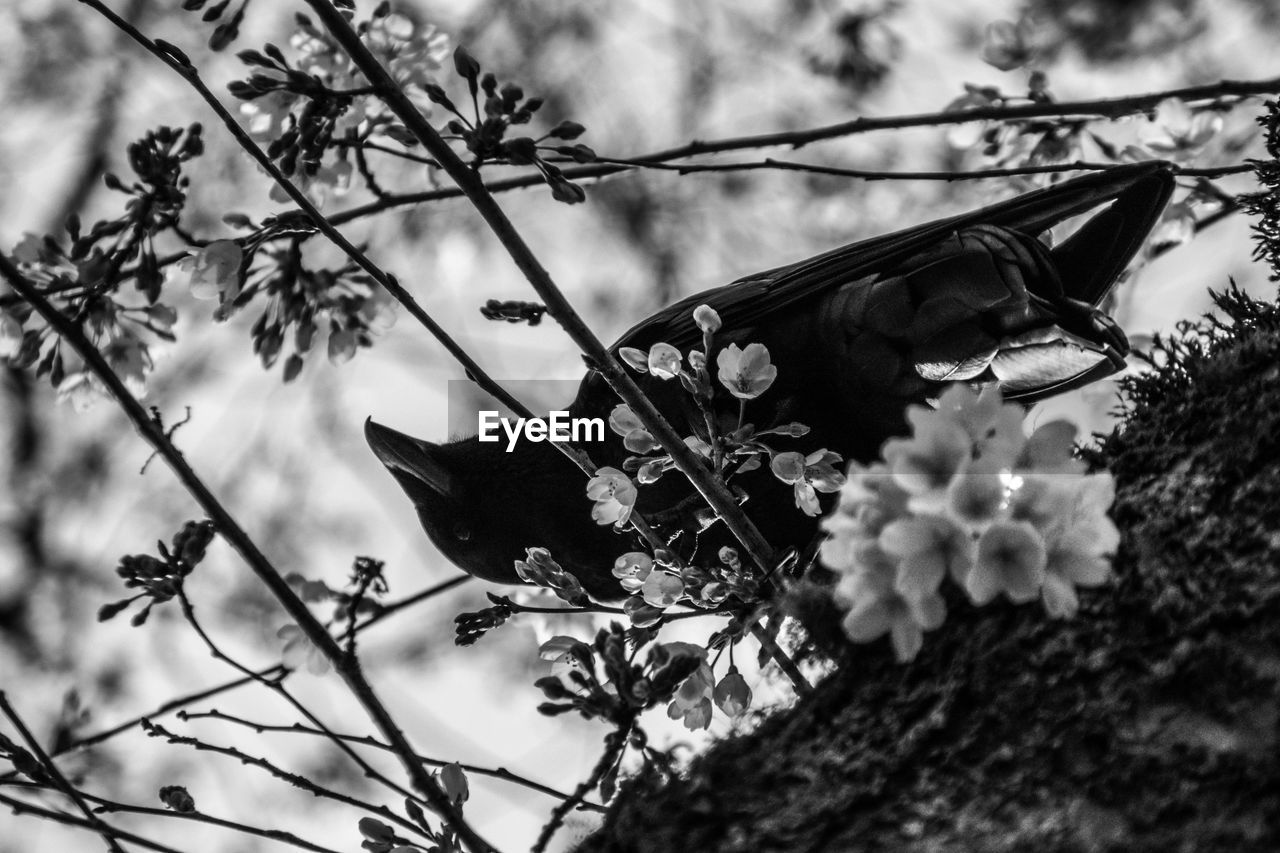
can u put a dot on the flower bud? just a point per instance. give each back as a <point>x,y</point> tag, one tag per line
<point>636,359</point>
<point>706,319</point>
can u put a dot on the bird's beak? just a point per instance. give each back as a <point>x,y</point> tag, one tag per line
<point>408,457</point>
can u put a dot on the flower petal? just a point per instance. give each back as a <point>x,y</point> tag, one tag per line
<point>1014,554</point>
<point>866,620</point>
<point>908,639</point>
<point>1059,596</point>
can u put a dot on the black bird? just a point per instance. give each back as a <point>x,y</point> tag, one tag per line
<point>857,334</point>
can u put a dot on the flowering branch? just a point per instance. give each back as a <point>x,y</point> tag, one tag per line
<point>153,433</point>
<point>178,62</point>
<point>709,486</point>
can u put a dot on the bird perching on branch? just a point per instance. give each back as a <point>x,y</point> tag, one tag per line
<point>857,334</point>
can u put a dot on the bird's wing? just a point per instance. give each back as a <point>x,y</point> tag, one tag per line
<point>1088,263</point>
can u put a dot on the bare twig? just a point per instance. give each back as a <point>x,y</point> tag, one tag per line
<point>774,164</point>
<point>364,740</point>
<point>385,610</point>
<point>255,676</point>
<point>276,685</point>
<point>200,817</point>
<point>20,807</point>
<point>59,781</point>
<point>301,782</point>
<point>174,705</point>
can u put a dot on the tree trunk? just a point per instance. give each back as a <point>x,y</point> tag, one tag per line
<point>1148,723</point>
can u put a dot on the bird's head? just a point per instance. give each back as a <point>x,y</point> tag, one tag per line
<point>445,499</point>
<point>483,507</point>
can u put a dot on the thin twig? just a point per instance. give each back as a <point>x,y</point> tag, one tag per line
<point>301,782</point>
<point>365,740</point>
<point>173,705</point>
<point>20,807</point>
<point>60,782</point>
<point>1105,108</point>
<point>200,817</point>
<point>255,676</point>
<point>385,610</point>
<point>614,743</point>
<point>189,612</point>
<point>774,164</point>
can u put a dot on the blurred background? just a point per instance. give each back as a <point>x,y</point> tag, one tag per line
<point>290,461</point>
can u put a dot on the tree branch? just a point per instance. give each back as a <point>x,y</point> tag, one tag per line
<point>708,485</point>
<point>154,435</point>
<point>774,164</point>
<point>1105,108</point>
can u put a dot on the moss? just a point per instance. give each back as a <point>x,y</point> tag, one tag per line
<point>1148,723</point>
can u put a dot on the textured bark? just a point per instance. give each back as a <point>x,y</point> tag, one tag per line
<point>1150,722</point>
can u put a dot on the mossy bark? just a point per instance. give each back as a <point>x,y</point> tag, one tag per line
<point>1149,722</point>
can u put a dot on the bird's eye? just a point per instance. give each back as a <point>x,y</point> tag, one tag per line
<point>461,532</point>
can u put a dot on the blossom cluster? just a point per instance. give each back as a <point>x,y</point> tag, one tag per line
<point>746,373</point>
<point>311,112</point>
<point>488,131</point>
<point>300,301</point>
<point>600,679</point>
<point>81,272</point>
<point>540,569</point>
<point>655,583</point>
<point>693,701</point>
<point>160,579</point>
<point>968,497</point>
